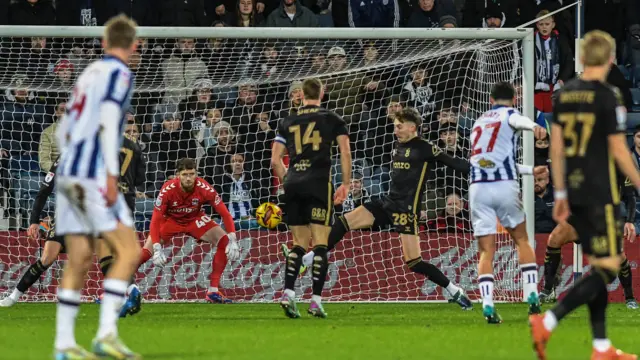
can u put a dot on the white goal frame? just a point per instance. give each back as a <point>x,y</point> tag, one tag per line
<point>524,35</point>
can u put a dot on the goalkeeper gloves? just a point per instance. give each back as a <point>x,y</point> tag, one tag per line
<point>232,250</point>
<point>159,258</point>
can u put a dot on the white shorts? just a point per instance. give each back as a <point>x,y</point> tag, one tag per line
<point>81,208</point>
<point>493,201</point>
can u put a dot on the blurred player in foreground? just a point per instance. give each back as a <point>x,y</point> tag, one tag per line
<point>178,210</point>
<point>308,138</point>
<point>88,201</point>
<point>495,195</point>
<point>587,135</point>
<point>412,157</point>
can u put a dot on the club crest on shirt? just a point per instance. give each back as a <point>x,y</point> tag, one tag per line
<point>195,202</point>
<point>159,201</point>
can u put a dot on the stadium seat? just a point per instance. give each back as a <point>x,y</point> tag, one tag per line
<point>633,120</point>
<point>24,163</point>
<point>635,94</point>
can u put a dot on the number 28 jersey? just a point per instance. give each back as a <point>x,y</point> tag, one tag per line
<point>494,141</point>
<point>309,137</point>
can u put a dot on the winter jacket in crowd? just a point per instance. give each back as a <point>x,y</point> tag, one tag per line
<point>443,11</point>
<point>25,13</point>
<point>374,13</point>
<point>303,17</point>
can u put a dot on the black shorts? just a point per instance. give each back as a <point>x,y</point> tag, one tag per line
<point>572,221</point>
<point>308,203</point>
<point>387,213</point>
<point>599,229</point>
<point>130,199</point>
<point>51,236</point>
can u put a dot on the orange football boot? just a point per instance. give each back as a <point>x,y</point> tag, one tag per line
<point>612,354</point>
<point>539,335</point>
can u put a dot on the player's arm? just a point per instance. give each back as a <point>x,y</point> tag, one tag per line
<point>520,122</point>
<point>434,152</point>
<point>158,218</point>
<point>278,152</point>
<point>46,188</point>
<point>615,120</point>
<point>556,154</point>
<point>345,158</point>
<point>221,209</point>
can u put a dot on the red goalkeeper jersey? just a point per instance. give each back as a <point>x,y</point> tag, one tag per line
<point>185,207</point>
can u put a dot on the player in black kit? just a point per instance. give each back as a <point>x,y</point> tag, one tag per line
<point>565,233</point>
<point>587,135</point>
<point>309,137</point>
<point>54,245</point>
<point>412,158</point>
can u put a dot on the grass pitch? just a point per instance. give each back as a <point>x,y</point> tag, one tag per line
<point>352,331</point>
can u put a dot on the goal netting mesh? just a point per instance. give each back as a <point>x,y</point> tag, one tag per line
<point>219,101</point>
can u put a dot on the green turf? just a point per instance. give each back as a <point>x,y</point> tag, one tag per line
<point>352,331</point>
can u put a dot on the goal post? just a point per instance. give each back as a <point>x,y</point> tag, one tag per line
<point>228,101</point>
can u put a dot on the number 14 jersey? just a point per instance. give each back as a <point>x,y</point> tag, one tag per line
<point>494,140</point>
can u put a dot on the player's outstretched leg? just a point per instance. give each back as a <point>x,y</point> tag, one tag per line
<point>626,281</point>
<point>528,266</point>
<point>413,259</point>
<point>49,255</point>
<point>285,254</point>
<point>562,234</point>
<point>338,230</point>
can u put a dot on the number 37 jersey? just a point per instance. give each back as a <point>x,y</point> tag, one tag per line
<point>309,137</point>
<point>494,140</point>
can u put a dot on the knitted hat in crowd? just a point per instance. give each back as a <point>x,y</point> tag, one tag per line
<point>63,64</point>
<point>295,85</point>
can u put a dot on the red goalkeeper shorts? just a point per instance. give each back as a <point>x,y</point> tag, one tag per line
<point>195,228</point>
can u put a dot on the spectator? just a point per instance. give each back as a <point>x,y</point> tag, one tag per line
<point>64,75</point>
<point>543,205</point>
<point>181,70</point>
<point>220,154</point>
<point>554,63</point>
<point>32,12</point>
<point>453,144</point>
<point>258,142</point>
<point>48,150</point>
<point>295,100</point>
<point>616,78</point>
<point>246,15</point>
<point>4,12</point>
<point>205,136</point>
<point>318,61</point>
<point>528,9</point>
<point>183,13</point>
<point>541,152</point>
<point>219,9</point>
<point>194,109</point>
<point>292,14</point>
<point>241,193</point>
<point>172,143</point>
<point>346,92</point>
<point>22,119</point>
<point>454,218</point>
<point>490,13</point>
<point>376,90</point>
<point>418,90</point>
<point>380,140</point>
<point>38,60</point>
<point>635,149</point>
<point>373,13</point>
<point>358,195</point>
<point>433,14</point>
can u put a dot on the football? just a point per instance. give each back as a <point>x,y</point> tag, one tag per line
<point>268,215</point>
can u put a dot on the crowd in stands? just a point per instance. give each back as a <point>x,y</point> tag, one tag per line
<point>219,101</point>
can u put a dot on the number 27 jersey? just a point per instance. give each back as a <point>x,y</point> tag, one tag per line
<point>493,146</point>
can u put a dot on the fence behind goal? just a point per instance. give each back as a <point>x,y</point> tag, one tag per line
<point>217,94</point>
